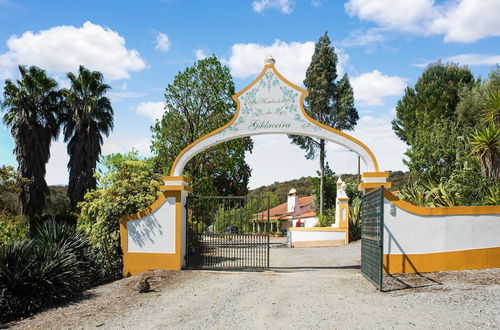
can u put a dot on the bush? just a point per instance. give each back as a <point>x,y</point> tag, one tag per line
<point>355,219</point>
<point>36,273</point>
<point>12,229</point>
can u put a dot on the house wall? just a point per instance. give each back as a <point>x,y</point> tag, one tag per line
<point>454,238</point>
<point>316,237</point>
<point>309,222</point>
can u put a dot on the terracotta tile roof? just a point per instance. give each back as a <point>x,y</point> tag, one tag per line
<point>307,215</point>
<point>281,212</point>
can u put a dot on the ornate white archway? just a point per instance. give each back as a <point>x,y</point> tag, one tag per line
<point>272,105</point>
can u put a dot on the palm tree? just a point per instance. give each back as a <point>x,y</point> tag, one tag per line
<point>88,116</point>
<point>485,144</point>
<point>32,106</point>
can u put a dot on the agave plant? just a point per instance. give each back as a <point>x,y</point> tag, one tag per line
<point>413,193</point>
<point>440,195</point>
<point>493,198</point>
<point>35,273</point>
<point>491,107</point>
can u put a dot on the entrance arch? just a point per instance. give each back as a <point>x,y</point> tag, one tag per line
<point>155,238</point>
<point>272,105</point>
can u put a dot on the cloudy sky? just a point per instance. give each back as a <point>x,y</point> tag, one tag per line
<point>139,46</point>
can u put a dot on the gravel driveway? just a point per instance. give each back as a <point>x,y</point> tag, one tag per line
<point>315,288</point>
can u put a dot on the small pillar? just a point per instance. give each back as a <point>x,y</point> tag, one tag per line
<point>342,206</point>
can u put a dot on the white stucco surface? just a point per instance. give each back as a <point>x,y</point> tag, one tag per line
<point>304,236</point>
<point>308,222</point>
<point>271,106</point>
<point>408,233</point>
<point>155,233</point>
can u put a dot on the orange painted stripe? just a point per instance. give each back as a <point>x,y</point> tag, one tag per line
<point>375,175</point>
<point>435,211</point>
<point>443,261</point>
<point>176,178</point>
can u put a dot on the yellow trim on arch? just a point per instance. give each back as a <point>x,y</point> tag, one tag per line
<point>317,123</point>
<point>175,178</point>
<point>372,185</point>
<point>176,188</point>
<point>439,211</point>
<point>301,104</point>
<point>375,175</point>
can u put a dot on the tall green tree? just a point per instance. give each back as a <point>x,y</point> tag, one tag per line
<point>88,116</point>
<point>434,98</point>
<point>329,101</point>
<point>198,101</point>
<point>32,112</point>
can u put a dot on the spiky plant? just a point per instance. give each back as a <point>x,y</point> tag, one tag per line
<point>485,144</point>
<point>88,116</point>
<point>32,111</point>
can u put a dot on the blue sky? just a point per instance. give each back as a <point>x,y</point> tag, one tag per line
<point>141,45</point>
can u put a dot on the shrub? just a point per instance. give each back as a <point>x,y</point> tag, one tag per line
<point>36,273</point>
<point>355,219</point>
<point>12,229</point>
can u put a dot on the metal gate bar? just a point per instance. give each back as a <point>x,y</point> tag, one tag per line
<point>372,237</point>
<point>220,233</point>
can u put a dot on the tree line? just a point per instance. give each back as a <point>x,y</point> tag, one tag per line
<point>450,122</point>
<point>36,111</point>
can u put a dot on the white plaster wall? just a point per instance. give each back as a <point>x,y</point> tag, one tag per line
<point>304,236</point>
<point>155,233</point>
<point>309,222</point>
<point>408,233</point>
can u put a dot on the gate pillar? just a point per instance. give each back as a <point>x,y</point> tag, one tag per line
<point>155,238</point>
<point>373,180</point>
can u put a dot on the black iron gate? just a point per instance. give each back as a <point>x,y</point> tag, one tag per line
<point>228,233</point>
<point>372,237</point>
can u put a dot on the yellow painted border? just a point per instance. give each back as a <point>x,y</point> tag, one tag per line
<point>375,175</point>
<point>316,229</point>
<point>301,104</point>
<point>176,188</point>
<point>436,211</point>
<point>442,261</point>
<point>371,185</point>
<point>322,243</point>
<point>134,262</point>
<point>176,178</point>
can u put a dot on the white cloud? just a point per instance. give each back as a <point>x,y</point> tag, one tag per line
<point>292,59</point>
<point>371,87</point>
<point>364,38</point>
<point>152,110</point>
<point>200,54</point>
<point>62,49</point>
<point>162,42</point>
<point>458,21</point>
<point>405,15</point>
<point>118,96</point>
<point>284,6</point>
<point>469,21</point>
<point>470,59</point>
<point>274,158</point>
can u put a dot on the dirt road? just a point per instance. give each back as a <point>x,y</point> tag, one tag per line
<point>316,288</point>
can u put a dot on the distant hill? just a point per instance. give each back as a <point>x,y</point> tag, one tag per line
<point>304,185</point>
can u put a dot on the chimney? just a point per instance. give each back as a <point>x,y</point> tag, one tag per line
<point>292,202</point>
